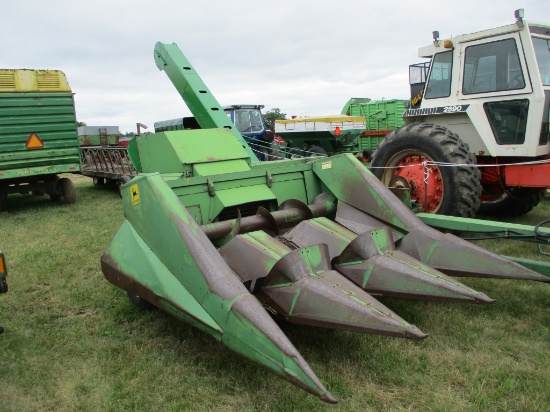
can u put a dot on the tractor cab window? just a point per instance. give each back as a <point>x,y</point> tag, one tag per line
<point>418,73</point>
<point>492,67</point>
<point>542,51</point>
<point>439,84</point>
<point>248,120</point>
<point>508,120</point>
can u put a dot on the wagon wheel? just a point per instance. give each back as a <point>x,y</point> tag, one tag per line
<point>121,182</point>
<point>98,181</point>
<point>68,192</point>
<point>416,154</point>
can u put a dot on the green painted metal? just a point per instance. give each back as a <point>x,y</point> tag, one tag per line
<point>204,106</point>
<point>379,114</point>
<point>540,267</point>
<point>193,262</point>
<point>331,142</point>
<point>22,172</point>
<point>488,228</point>
<point>176,152</point>
<point>215,238</point>
<point>51,116</point>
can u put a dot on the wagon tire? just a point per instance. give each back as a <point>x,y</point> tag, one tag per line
<point>452,190</point>
<point>121,182</point>
<point>98,181</point>
<point>68,192</point>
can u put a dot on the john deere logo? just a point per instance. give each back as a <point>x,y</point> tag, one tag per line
<point>134,193</point>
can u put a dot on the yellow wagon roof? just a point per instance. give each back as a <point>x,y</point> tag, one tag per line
<point>25,80</point>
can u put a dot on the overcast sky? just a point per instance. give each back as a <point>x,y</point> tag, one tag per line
<point>304,57</point>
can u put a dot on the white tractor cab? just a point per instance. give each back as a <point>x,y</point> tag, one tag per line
<point>491,88</point>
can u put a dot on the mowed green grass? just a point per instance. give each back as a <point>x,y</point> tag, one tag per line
<point>73,342</point>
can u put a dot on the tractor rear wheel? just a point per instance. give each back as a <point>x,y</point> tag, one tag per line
<point>434,163</point>
<point>513,202</point>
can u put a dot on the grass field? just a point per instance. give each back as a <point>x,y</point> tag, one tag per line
<point>73,342</point>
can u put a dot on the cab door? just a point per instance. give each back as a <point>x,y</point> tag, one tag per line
<point>495,81</point>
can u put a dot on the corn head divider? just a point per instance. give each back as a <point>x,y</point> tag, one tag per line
<point>223,242</point>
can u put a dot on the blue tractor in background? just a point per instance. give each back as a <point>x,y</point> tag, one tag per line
<point>248,120</point>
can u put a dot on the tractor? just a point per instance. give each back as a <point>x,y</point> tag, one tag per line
<point>476,130</point>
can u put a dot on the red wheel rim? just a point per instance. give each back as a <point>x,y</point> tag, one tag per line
<point>424,178</point>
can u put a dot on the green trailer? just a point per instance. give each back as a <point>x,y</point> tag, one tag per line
<point>38,134</point>
<point>381,117</point>
<point>320,135</point>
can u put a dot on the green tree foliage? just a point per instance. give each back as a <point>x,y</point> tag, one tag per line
<point>271,115</point>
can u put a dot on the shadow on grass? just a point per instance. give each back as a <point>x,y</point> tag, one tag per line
<point>18,203</point>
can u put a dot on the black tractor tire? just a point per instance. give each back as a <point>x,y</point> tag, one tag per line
<point>514,202</point>
<point>316,151</point>
<point>366,156</point>
<point>139,302</point>
<point>457,188</point>
<point>121,182</point>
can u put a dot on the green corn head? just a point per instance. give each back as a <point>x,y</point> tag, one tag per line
<point>223,242</point>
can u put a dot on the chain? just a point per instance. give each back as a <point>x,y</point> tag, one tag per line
<point>427,171</point>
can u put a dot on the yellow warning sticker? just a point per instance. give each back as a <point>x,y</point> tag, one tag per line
<point>134,192</point>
